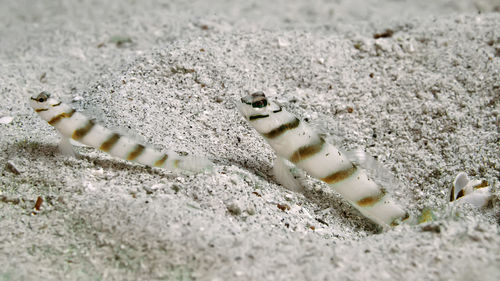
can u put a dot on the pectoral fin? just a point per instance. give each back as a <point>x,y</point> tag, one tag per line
<point>66,147</point>
<point>287,175</point>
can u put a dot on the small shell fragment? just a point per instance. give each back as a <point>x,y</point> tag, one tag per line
<point>12,167</point>
<point>38,205</point>
<point>6,119</point>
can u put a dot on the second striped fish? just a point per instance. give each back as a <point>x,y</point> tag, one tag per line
<point>74,125</point>
<point>293,140</point>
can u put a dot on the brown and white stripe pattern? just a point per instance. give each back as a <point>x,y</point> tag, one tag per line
<point>475,192</point>
<point>75,125</point>
<point>292,139</point>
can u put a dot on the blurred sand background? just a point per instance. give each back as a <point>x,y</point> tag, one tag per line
<point>414,83</point>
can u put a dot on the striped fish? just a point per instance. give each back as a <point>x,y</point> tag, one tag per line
<point>293,140</point>
<point>74,125</point>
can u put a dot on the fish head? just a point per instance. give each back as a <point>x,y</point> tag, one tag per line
<point>256,105</point>
<point>42,101</point>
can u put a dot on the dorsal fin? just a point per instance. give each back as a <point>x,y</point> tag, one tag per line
<point>459,184</point>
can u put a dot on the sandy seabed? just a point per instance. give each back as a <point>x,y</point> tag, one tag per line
<point>415,84</point>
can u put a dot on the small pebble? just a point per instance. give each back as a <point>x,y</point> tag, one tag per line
<point>11,167</point>
<point>38,205</point>
<point>234,208</point>
<point>251,211</point>
<point>283,207</point>
<point>153,188</point>
<point>432,228</point>
<point>6,119</point>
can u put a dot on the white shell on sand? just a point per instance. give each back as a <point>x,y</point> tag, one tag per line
<point>6,119</point>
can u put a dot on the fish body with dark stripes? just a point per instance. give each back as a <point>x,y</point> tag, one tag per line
<point>75,125</point>
<point>299,144</point>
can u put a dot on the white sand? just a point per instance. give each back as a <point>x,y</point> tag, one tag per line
<point>425,101</point>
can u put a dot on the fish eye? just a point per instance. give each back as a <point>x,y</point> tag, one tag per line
<point>42,97</point>
<point>259,103</point>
